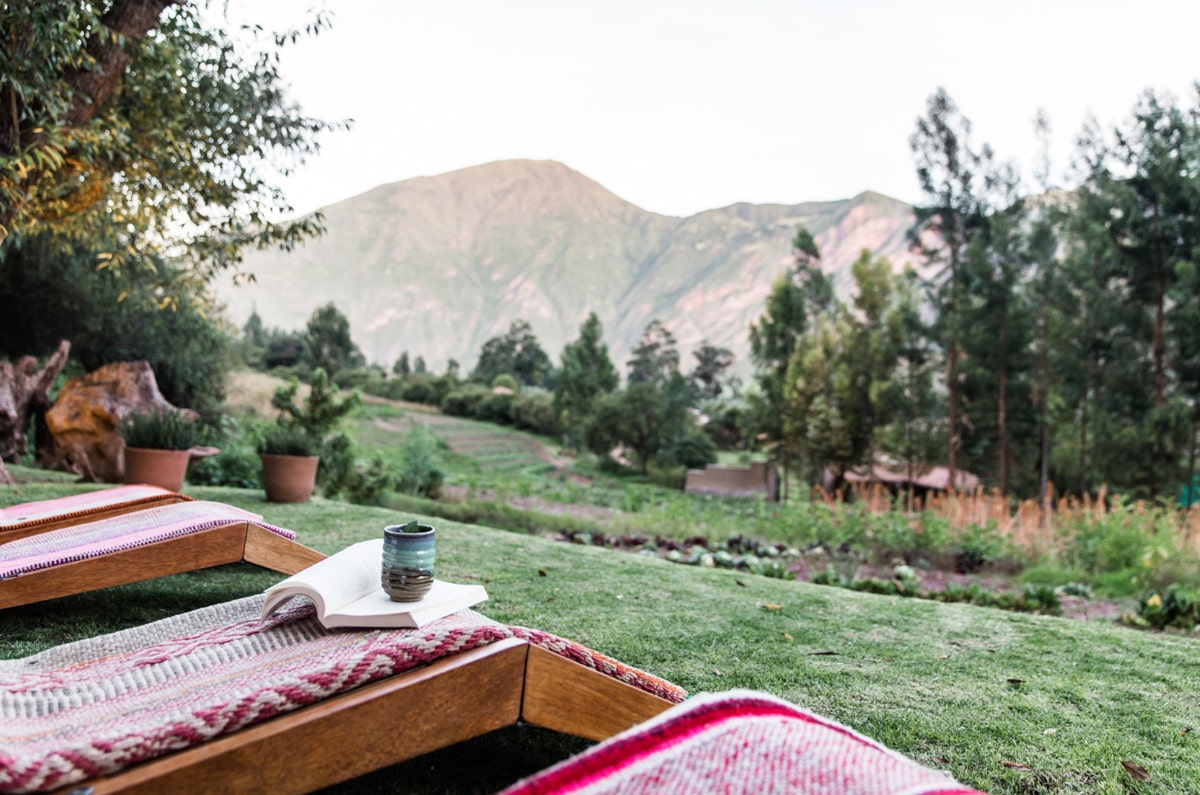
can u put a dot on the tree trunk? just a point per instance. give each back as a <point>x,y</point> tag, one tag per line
<point>127,19</point>
<point>952,418</point>
<point>24,391</point>
<point>1044,481</point>
<point>1001,410</point>
<point>1160,300</point>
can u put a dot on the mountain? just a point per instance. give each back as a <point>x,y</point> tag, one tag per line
<point>437,265</point>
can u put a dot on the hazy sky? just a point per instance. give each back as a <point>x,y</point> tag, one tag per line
<point>685,106</point>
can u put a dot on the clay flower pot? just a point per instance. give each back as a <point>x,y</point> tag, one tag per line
<point>289,478</point>
<point>164,468</point>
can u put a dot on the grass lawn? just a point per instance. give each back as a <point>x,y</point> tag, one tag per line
<point>970,690</point>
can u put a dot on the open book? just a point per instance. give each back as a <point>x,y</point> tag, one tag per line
<point>346,588</point>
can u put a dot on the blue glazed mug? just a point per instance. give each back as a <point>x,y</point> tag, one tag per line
<point>408,555</point>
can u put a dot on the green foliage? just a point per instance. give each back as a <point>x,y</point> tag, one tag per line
<point>506,381</point>
<point>692,450</point>
<point>322,410</point>
<point>517,353</point>
<point>327,343</point>
<point>496,407</point>
<point>288,440</point>
<point>711,364</point>
<point>533,410</point>
<point>585,374</point>
<point>154,160</point>
<point>464,402</point>
<point>51,289</point>
<point>1177,607</point>
<point>420,473</point>
<point>655,358</point>
<point>237,464</point>
<point>159,429</point>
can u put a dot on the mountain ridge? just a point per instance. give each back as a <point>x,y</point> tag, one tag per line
<point>436,265</point>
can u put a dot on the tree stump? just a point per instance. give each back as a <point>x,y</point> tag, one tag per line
<point>24,392</point>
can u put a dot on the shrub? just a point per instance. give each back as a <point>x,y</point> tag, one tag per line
<point>692,450</point>
<point>1176,606</point>
<point>495,407</point>
<point>420,473</point>
<point>288,440</point>
<point>237,464</point>
<point>533,409</point>
<point>159,429</point>
<point>506,381</point>
<point>463,402</point>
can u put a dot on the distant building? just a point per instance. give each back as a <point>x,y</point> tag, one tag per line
<point>900,478</point>
<point>758,478</point>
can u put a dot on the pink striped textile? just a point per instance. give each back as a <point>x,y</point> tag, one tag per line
<point>739,743</point>
<point>27,513</point>
<point>117,533</point>
<point>95,706</point>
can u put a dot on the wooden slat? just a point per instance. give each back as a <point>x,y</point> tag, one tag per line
<point>565,696</point>
<point>452,700</point>
<point>273,551</point>
<point>211,547</point>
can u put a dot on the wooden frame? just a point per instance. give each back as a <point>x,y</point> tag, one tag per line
<point>35,526</point>
<point>227,543</point>
<point>396,719</point>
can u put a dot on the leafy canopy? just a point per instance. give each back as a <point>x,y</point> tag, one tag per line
<point>147,120</point>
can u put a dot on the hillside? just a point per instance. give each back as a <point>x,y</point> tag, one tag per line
<point>437,265</point>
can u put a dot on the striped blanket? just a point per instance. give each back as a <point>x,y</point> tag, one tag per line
<point>739,743</point>
<point>79,506</point>
<point>116,533</point>
<point>96,706</point>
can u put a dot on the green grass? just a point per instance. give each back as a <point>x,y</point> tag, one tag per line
<point>971,686</point>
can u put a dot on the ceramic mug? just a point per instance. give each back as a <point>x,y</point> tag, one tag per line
<point>408,555</point>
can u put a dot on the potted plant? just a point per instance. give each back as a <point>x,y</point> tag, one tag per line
<point>289,458</point>
<point>158,446</point>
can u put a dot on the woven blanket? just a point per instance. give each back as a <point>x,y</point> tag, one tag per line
<point>95,706</point>
<point>81,505</point>
<point>127,531</point>
<point>739,742</point>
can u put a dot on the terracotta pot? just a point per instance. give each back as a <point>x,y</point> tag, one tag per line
<point>289,478</point>
<point>165,468</point>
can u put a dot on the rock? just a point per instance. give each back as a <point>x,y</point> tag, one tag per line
<point>85,420</point>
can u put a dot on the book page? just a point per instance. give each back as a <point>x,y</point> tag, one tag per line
<point>334,582</point>
<point>376,609</point>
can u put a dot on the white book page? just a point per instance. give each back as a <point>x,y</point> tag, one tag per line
<point>377,609</point>
<point>335,581</point>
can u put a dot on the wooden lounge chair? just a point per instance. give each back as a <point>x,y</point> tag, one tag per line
<point>140,545</point>
<point>19,521</point>
<point>211,672</point>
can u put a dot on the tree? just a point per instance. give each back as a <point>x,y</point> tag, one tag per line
<point>327,343</point>
<point>401,367</point>
<point>586,372</point>
<point>951,176</point>
<point>652,420</point>
<point>656,356</point>
<point>912,435</point>
<point>997,333</point>
<point>517,353</point>
<point>1141,203</point>
<point>864,388</point>
<point>51,290</point>
<point>419,366</point>
<point>795,302</point>
<point>133,116</point>
<point>711,364</point>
